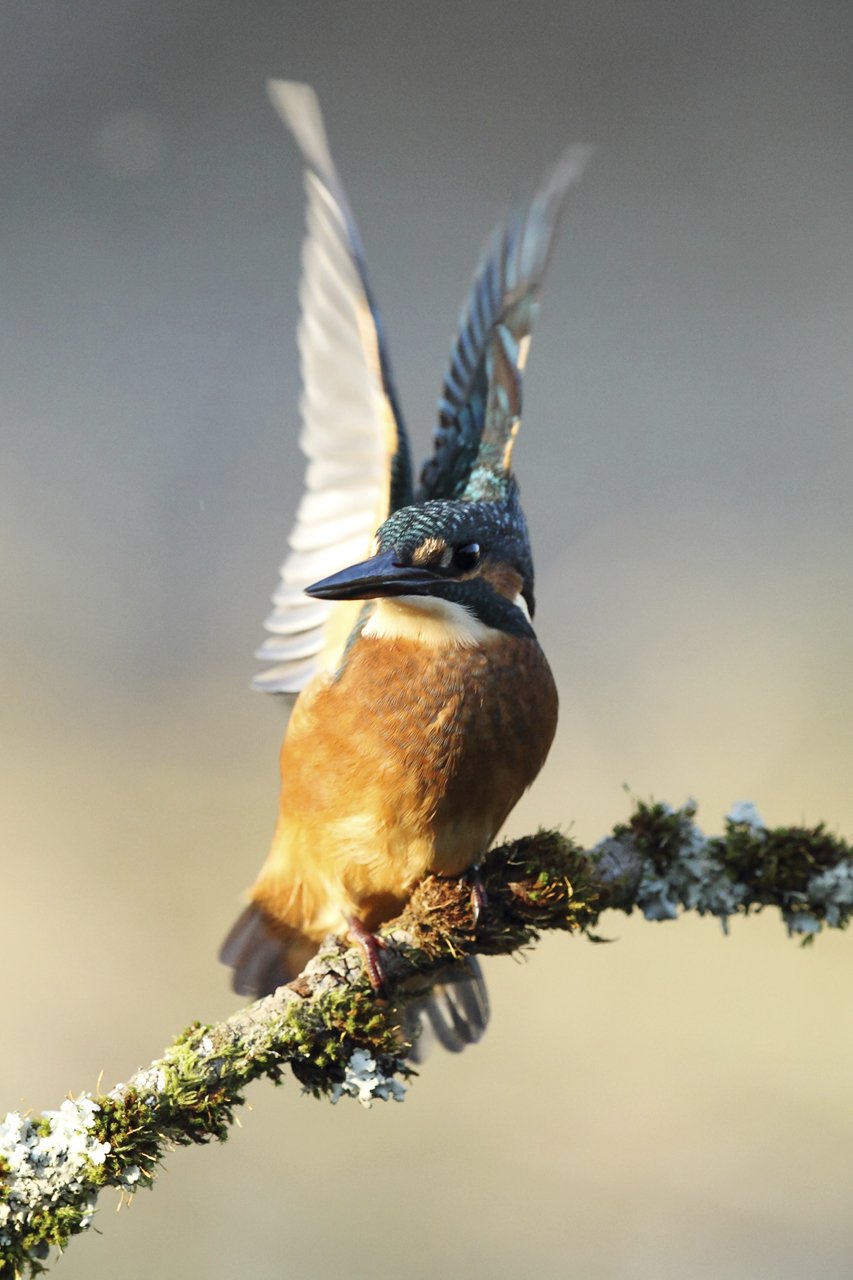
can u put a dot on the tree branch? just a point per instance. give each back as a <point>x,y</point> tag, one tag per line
<point>341,1039</point>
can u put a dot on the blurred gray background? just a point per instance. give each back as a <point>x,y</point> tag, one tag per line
<point>673,1105</point>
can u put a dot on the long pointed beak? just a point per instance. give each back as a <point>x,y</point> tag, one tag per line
<point>379,576</point>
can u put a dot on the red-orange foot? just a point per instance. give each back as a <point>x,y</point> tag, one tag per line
<point>370,948</point>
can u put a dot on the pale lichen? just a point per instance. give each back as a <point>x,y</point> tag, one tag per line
<point>832,889</point>
<point>45,1177</point>
<point>691,877</point>
<point>364,1081</point>
<point>744,813</point>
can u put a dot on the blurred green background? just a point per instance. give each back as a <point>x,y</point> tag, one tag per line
<point>673,1105</point>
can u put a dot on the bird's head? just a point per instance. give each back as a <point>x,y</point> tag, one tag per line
<point>472,553</point>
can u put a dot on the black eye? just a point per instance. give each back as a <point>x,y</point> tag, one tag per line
<point>467,557</point>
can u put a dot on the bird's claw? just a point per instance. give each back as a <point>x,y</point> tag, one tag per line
<point>479,897</point>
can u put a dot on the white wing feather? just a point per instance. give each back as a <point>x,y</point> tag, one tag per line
<point>349,429</point>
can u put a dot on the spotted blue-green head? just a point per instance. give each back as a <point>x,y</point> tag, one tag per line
<point>472,553</point>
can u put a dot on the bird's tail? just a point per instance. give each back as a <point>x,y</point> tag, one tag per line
<point>454,1013</point>
<point>262,954</point>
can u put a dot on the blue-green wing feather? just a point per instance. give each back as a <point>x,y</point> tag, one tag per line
<point>480,403</point>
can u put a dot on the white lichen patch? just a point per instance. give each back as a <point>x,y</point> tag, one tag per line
<point>365,1082</point>
<point>45,1163</point>
<point>149,1083</point>
<point>833,890</point>
<point>743,813</point>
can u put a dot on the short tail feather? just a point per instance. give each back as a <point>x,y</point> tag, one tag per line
<point>455,1012</point>
<point>263,956</point>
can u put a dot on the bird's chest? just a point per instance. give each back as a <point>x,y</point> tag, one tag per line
<point>420,752</point>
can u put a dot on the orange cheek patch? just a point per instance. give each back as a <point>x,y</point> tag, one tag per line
<point>505,580</point>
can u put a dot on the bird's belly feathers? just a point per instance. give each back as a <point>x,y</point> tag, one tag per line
<point>407,762</point>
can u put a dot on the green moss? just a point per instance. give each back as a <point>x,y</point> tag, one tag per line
<point>53,1227</point>
<point>195,1109</point>
<point>128,1124</point>
<point>658,833</point>
<point>191,1034</point>
<point>781,867</point>
<point>327,1030</point>
<point>551,883</point>
<point>780,862</point>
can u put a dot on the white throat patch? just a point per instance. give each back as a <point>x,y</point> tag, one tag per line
<point>429,620</point>
<point>521,603</point>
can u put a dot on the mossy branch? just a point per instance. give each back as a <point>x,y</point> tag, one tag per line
<point>339,1038</point>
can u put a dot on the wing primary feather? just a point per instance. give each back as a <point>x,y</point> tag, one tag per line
<point>504,297</point>
<point>293,621</point>
<point>352,429</point>
<point>299,109</point>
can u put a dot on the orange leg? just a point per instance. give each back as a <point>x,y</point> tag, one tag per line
<point>370,947</point>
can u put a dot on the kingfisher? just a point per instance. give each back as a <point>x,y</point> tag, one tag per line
<point>401,634</point>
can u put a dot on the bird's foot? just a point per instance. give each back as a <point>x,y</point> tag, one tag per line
<point>479,897</point>
<point>371,946</point>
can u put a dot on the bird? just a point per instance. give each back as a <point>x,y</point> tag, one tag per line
<point>422,704</point>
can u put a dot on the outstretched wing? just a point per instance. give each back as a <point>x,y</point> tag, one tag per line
<point>480,404</point>
<point>352,431</point>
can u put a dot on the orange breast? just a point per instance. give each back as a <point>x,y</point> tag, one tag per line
<point>409,761</point>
